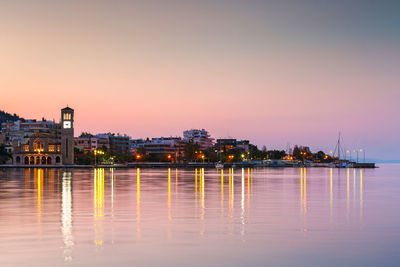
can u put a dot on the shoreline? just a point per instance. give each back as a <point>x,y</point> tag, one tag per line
<point>154,165</point>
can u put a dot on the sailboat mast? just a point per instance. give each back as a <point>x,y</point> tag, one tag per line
<point>338,145</point>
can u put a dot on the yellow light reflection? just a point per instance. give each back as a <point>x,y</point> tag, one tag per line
<point>331,192</point>
<point>301,189</point>
<point>98,205</point>
<point>195,191</point>
<point>242,202</point>
<point>305,191</point>
<point>361,193</point>
<point>66,216</point>
<point>195,182</point>
<point>112,191</point>
<point>230,191</point>
<point>222,191</point>
<point>39,193</point>
<point>138,202</point>
<point>202,203</point>
<point>248,188</point>
<point>348,194</point>
<point>169,193</point>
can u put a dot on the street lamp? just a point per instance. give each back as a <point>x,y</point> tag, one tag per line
<point>95,155</point>
<point>349,151</point>
<point>357,154</point>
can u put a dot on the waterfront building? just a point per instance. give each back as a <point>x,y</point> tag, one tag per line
<point>136,144</point>
<point>41,142</point>
<point>116,143</point>
<point>200,137</point>
<point>224,145</point>
<point>103,141</point>
<point>173,146</point>
<point>119,144</point>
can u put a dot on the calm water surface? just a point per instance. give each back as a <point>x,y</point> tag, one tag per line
<point>175,217</point>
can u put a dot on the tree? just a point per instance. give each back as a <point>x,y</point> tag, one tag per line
<point>190,150</point>
<point>4,154</point>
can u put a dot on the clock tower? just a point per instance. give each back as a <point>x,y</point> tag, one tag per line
<point>67,136</point>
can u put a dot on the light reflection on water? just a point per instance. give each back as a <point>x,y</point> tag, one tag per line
<point>229,217</point>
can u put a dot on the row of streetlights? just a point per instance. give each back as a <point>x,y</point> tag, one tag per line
<point>355,151</point>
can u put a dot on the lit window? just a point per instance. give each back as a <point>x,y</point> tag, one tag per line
<point>26,147</point>
<point>51,148</point>
<point>58,148</point>
<point>38,146</point>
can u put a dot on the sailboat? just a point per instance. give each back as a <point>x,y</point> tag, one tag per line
<point>340,162</point>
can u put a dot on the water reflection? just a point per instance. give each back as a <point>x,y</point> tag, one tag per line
<point>66,215</point>
<point>38,185</point>
<point>98,206</point>
<point>331,192</point>
<point>138,231</point>
<point>169,194</point>
<point>222,192</point>
<point>361,194</point>
<point>275,213</point>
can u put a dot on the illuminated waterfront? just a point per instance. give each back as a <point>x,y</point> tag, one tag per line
<point>230,217</point>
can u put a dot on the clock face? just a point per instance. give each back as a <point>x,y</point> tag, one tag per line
<point>67,124</point>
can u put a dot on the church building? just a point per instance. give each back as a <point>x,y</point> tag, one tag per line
<point>42,142</point>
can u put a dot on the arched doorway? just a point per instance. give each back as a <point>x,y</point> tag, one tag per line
<point>26,160</point>
<point>18,160</point>
<point>44,160</point>
<point>49,161</point>
<point>58,159</point>
<point>32,160</point>
<point>37,160</point>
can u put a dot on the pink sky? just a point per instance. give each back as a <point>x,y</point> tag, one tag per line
<point>238,71</point>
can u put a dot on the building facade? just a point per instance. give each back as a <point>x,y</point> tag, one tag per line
<point>41,142</point>
<point>200,137</point>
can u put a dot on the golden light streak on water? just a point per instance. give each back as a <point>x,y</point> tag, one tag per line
<point>248,188</point>
<point>361,193</point>
<point>98,206</point>
<point>331,192</point>
<point>242,200</point>
<point>354,188</point>
<point>301,190</point>
<point>195,191</point>
<point>66,216</point>
<point>230,192</point>
<point>242,215</point>
<point>112,191</point>
<point>202,203</point>
<point>169,194</point>
<point>222,192</point>
<point>138,231</point>
<point>233,188</point>
<point>195,182</point>
<point>305,191</point>
<point>348,194</point>
<point>39,193</point>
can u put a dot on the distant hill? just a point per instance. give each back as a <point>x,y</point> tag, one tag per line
<point>4,116</point>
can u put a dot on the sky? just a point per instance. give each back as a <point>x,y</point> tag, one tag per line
<point>277,73</point>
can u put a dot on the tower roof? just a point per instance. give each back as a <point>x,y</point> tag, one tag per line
<point>68,108</point>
